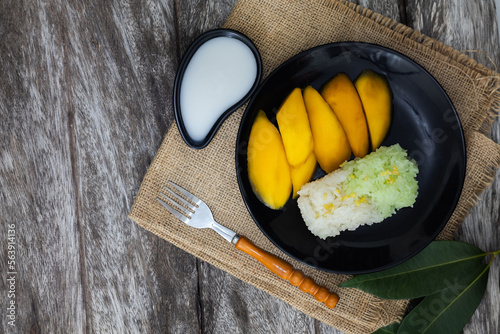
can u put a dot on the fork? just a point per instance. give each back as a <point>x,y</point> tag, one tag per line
<point>194,212</point>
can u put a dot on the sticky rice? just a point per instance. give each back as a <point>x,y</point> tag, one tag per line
<point>362,192</point>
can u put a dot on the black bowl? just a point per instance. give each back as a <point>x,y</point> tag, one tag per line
<point>198,144</point>
<point>424,123</point>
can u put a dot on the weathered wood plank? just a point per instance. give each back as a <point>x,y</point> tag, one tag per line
<point>194,17</point>
<point>389,8</point>
<point>37,188</point>
<point>471,25</point>
<point>122,66</point>
<point>463,25</point>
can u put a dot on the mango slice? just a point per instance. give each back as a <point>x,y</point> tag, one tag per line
<point>331,146</point>
<point>344,100</point>
<point>268,168</point>
<point>295,130</point>
<point>376,97</point>
<point>303,174</point>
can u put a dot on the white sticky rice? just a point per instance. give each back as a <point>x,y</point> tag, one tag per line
<point>363,192</point>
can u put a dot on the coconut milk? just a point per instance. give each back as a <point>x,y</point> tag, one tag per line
<point>220,73</point>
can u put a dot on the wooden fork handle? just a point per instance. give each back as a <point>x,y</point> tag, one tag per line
<point>285,270</point>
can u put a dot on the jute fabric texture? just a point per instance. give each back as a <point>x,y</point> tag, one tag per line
<point>281,29</point>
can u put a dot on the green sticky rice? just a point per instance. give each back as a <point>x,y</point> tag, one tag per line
<point>362,192</point>
<point>386,177</point>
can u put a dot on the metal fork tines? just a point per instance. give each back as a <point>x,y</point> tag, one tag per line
<point>193,211</point>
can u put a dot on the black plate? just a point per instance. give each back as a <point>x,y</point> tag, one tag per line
<point>424,123</point>
<point>182,69</point>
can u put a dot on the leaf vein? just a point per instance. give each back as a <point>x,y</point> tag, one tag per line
<point>421,269</point>
<point>457,298</point>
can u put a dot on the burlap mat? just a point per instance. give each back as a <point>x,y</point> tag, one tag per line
<point>281,29</point>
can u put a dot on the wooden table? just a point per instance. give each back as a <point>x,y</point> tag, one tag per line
<point>85,100</point>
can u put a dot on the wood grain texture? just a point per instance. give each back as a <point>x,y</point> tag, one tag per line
<point>389,8</point>
<point>471,25</point>
<point>91,111</point>
<point>120,88</point>
<point>464,25</point>
<point>85,100</point>
<point>37,192</point>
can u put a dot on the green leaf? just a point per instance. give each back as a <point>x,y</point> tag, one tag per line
<point>426,273</point>
<point>389,329</point>
<point>450,309</point>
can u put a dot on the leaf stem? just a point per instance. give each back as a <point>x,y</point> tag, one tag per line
<point>416,270</point>
<point>494,254</point>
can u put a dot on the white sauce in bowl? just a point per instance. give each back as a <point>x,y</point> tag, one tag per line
<point>220,73</point>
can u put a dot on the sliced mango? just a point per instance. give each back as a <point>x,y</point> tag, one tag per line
<point>344,100</point>
<point>376,97</point>
<point>331,146</point>
<point>294,127</point>
<point>303,174</point>
<point>268,168</point>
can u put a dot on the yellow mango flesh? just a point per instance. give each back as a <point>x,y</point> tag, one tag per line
<point>303,174</point>
<point>376,97</point>
<point>344,100</point>
<point>268,168</point>
<point>331,146</point>
<point>293,124</point>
